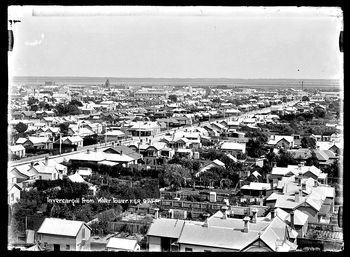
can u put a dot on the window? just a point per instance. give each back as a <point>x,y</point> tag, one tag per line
<point>207,251</point>
<point>12,197</point>
<point>67,247</point>
<point>83,233</point>
<point>188,249</point>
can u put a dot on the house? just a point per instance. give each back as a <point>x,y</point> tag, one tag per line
<point>18,150</point>
<point>324,157</point>
<point>277,141</point>
<point>64,235</point>
<point>297,219</point>
<point>98,157</point>
<point>163,234</point>
<point>182,121</point>
<point>122,149</point>
<point>36,142</point>
<point>71,140</point>
<point>114,135</point>
<point>255,177</point>
<point>186,153</point>
<point>221,233</point>
<point>13,193</point>
<point>218,127</point>
<point>312,205</point>
<point>115,244</point>
<point>19,173</point>
<point>76,178</point>
<point>331,146</point>
<point>96,128</point>
<point>216,163</point>
<point>233,148</point>
<point>43,172</point>
<point>255,189</point>
<point>295,170</point>
<point>144,129</point>
<point>321,138</point>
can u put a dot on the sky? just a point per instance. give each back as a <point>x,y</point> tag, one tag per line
<point>165,42</point>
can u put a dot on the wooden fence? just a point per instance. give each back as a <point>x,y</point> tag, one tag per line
<point>140,227</point>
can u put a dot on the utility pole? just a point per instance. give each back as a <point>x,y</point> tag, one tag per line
<point>60,143</point>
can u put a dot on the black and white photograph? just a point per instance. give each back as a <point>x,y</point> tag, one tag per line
<point>175,128</point>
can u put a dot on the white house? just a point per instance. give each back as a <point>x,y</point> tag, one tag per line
<point>18,150</point>
<point>232,147</point>
<point>64,235</point>
<point>14,193</point>
<point>122,245</point>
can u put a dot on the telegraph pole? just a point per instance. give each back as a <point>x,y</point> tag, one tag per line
<point>60,143</point>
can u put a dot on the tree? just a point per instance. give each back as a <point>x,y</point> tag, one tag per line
<point>312,160</point>
<point>332,170</point>
<point>308,142</point>
<point>67,109</point>
<point>175,175</point>
<point>44,105</point>
<point>216,100</point>
<point>75,102</point>
<point>32,100</point>
<point>21,127</point>
<point>173,98</point>
<point>34,107</point>
<point>255,145</point>
<point>305,98</point>
<point>285,158</point>
<point>64,127</point>
<point>319,112</point>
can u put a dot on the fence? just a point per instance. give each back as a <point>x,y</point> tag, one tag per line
<point>325,227</point>
<point>140,227</point>
<point>323,245</point>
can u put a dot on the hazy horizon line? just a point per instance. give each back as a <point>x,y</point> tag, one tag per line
<point>228,78</point>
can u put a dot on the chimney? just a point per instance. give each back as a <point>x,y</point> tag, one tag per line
<point>31,164</point>
<point>272,213</point>
<point>88,151</point>
<point>171,213</point>
<point>315,183</point>
<point>156,213</point>
<point>121,152</point>
<point>224,211</point>
<point>95,149</point>
<point>274,164</point>
<point>303,186</point>
<point>246,219</point>
<point>292,219</point>
<point>255,215</point>
<point>46,160</point>
<point>206,223</point>
<point>297,197</point>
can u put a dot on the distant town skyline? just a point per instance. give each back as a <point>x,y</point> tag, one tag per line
<point>251,44</point>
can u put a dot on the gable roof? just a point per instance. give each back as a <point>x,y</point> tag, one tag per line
<point>76,178</point>
<point>122,243</point>
<point>257,186</point>
<point>220,237</point>
<point>62,227</point>
<point>15,148</point>
<point>166,228</point>
<point>233,146</point>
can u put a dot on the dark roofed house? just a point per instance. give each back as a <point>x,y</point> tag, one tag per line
<point>122,149</point>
